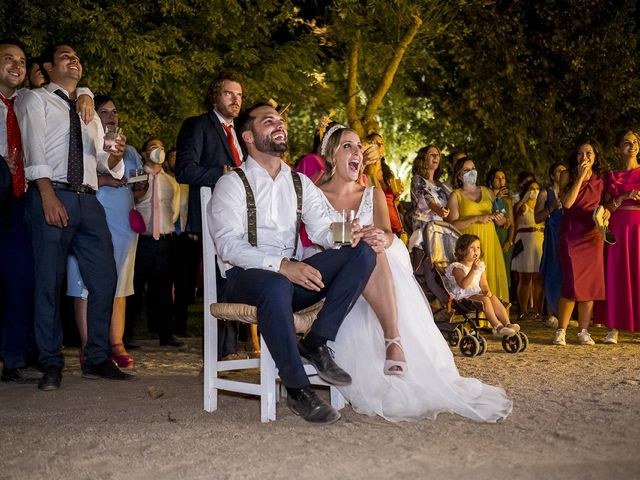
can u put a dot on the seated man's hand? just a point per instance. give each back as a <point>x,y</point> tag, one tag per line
<point>302,274</point>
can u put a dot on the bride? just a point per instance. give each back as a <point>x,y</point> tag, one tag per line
<point>401,366</point>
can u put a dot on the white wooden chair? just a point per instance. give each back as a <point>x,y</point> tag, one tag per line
<point>213,311</point>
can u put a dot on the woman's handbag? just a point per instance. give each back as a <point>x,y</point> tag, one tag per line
<point>517,248</point>
<point>136,222</point>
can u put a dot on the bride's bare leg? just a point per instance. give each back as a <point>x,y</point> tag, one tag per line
<point>380,293</point>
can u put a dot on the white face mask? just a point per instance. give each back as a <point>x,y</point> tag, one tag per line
<point>157,155</point>
<point>470,177</point>
<point>533,193</point>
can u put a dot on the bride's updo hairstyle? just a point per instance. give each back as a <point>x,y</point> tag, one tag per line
<point>329,146</point>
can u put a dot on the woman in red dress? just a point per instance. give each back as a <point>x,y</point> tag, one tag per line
<point>581,244</point>
<point>621,310</point>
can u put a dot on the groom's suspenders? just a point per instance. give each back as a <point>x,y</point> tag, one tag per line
<point>251,207</point>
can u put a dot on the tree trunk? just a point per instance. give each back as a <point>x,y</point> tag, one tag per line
<point>390,71</point>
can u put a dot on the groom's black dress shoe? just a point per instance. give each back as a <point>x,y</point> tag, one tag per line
<point>312,408</point>
<point>328,370</point>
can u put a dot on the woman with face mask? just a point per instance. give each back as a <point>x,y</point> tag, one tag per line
<point>471,211</point>
<point>526,259</point>
<point>159,206</point>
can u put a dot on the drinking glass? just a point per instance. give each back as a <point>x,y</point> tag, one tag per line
<point>343,229</point>
<point>111,134</point>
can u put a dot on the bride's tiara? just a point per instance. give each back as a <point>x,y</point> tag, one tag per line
<point>325,139</point>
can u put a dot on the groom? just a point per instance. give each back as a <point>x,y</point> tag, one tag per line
<point>261,259</point>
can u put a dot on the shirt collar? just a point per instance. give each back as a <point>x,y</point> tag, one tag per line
<point>14,95</point>
<point>148,169</point>
<point>252,164</point>
<point>52,87</point>
<point>222,120</point>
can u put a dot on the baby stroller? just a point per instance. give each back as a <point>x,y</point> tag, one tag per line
<point>459,321</point>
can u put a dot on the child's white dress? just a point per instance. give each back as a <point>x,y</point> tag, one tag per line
<point>454,288</point>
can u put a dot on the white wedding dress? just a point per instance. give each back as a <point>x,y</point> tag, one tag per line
<point>432,383</point>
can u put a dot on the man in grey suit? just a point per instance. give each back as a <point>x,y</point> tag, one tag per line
<point>207,146</point>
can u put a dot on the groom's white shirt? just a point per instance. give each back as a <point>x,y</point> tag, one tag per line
<point>275,218</point>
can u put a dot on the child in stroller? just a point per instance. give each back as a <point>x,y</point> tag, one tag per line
<point>456,314</point>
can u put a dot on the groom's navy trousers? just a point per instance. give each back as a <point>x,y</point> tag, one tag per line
<point>345,273</point>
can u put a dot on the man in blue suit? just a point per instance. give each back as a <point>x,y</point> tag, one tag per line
<point>207,147</point>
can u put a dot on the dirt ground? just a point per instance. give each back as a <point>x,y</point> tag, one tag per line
<point>575,416</point>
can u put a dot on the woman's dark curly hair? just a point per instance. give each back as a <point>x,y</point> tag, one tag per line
<point>598,164</point>
<point>463,244</point>
<point>422,157</point>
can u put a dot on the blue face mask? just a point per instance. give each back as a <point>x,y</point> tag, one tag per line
<point>470,177</point>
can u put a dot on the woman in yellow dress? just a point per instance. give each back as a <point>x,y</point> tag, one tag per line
<point>471,211</point>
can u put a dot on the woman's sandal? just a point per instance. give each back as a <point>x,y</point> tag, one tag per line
<point>394,367</point>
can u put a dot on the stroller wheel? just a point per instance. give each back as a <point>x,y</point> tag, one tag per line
<point>483,345</point>
<point>453,337</point>
<point>512,344</point>
<point>469,346</point>
<point>525,341</point>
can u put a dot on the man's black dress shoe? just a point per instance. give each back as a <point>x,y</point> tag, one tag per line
<point>171,341</point>
<point>20,375</point>
<point>327,368</point>
<point>106,369</point>
<point>51,379</point>
<point>311,407</point>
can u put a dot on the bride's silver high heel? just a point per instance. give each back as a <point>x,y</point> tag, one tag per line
<point>394,367</point>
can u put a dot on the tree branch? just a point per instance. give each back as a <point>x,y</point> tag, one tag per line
<point>352,87</point>
<point>390,71</point>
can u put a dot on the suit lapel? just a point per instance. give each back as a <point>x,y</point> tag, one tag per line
<point>217,126</point>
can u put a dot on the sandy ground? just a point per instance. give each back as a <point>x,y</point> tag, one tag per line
<point>575,416</point>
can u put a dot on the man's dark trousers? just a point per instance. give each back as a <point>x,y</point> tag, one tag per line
<point>345,272</point>
<point>16,285</point>
<point>88,237</point>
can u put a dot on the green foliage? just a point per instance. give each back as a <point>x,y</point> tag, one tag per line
<point>511,82</point>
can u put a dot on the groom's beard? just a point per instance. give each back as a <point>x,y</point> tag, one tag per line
<point>266,144</point>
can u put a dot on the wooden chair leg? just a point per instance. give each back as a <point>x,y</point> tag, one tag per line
<point>255,340</point>
<point>267,384</point>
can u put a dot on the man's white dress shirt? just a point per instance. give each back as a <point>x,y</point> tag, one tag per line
<point>275,218</point>
<point>169,198</point>
<point>44,124</point>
